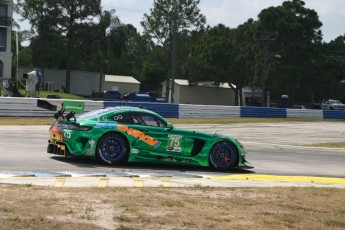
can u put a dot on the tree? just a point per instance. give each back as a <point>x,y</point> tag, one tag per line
<point>73,17</point>
<point>37,12</point>
<point>167,18</point>
<point>331,81</point>
<point>66,18</point>
<point>211,58</point>
<point>243,68</point>
<point>223,55</point>
<point>297,34</point>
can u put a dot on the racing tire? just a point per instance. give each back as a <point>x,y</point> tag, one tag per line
<point>223,155</point>
<point>112,148</point>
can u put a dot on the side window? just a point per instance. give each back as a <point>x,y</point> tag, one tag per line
<point>153,121</point>
<point>122,118</point>
<point>147,120</point>
<point>137,119</point>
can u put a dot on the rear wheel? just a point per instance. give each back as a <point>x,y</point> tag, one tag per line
<point>223,155</point>
<point>112,148</point>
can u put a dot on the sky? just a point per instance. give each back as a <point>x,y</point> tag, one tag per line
<point>235,12</point>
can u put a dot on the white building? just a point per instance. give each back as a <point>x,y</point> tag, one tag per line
<point>86,83</point>
<point>123,84</point>
<point>204,93</point>
<point>254,97</point>
<point>6,9</point>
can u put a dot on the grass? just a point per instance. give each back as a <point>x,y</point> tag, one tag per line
<point>44,94</point>
<point>240,120</point>
<point>35,207</point>
<point>26,120</point>
<point>330,145</point>
<point>23,207</point>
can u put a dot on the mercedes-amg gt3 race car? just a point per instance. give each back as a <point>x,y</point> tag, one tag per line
<point>129,134</point>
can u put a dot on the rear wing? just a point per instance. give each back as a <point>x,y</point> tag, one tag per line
<point>72,106</point>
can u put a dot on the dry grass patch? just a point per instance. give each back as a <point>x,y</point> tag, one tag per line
<point>330,145</point>
<point>30,207</point>
<point>26,120</point>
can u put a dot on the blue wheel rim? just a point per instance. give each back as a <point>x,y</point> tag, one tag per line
<point>223,156</point>
<point>112,148</point>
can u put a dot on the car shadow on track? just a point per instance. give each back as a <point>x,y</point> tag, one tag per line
<point>85,163</point>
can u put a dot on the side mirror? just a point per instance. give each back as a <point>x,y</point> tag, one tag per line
<point>170,126</point>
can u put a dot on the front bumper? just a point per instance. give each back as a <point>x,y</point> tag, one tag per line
<point>244,163</point>
<point>245,166</point>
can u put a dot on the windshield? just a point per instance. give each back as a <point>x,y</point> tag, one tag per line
<point>334,101</point>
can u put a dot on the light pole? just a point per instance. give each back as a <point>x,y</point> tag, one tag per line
<point>266,37</point>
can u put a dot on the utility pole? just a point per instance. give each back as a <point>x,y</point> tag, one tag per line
<point>266,37</point>
<point>173,59</point>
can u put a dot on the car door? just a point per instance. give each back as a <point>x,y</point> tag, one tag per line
<point>158,138</point>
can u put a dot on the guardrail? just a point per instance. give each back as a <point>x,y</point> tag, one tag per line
<point>27,107</point>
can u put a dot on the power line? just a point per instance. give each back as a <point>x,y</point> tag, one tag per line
<point>128,10</point>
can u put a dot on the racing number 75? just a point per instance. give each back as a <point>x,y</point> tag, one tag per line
<point>67,133</point>
<point>175,141</point>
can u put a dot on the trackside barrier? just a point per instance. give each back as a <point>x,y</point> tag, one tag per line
<point>27,107</point>
<point>208,111</point>
<point>304,113</point>
<point>22,107</point>
<point>252,111</point>
<point>332,114</point>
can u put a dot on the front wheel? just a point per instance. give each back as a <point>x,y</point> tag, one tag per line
<point>223,155</point>
<point>112,148</point>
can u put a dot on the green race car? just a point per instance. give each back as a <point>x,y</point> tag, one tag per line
<point>129,134</point>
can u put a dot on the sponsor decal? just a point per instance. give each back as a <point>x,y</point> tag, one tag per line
<point>176,159</point>
<point>133,132</point>
<point>140,135</point>
<point>135,151</point>
<point>174,143</point>
<point>92,143</point>
<point>106,126</point>
<point>73,106</point>
<point>102,119</point>
<point>90,152</point>
<point>118,117</point>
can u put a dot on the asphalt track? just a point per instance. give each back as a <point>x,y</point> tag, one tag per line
<point>280,153</point>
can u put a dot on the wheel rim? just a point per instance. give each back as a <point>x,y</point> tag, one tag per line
<point>112,148</point>
<point>222,156</point>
